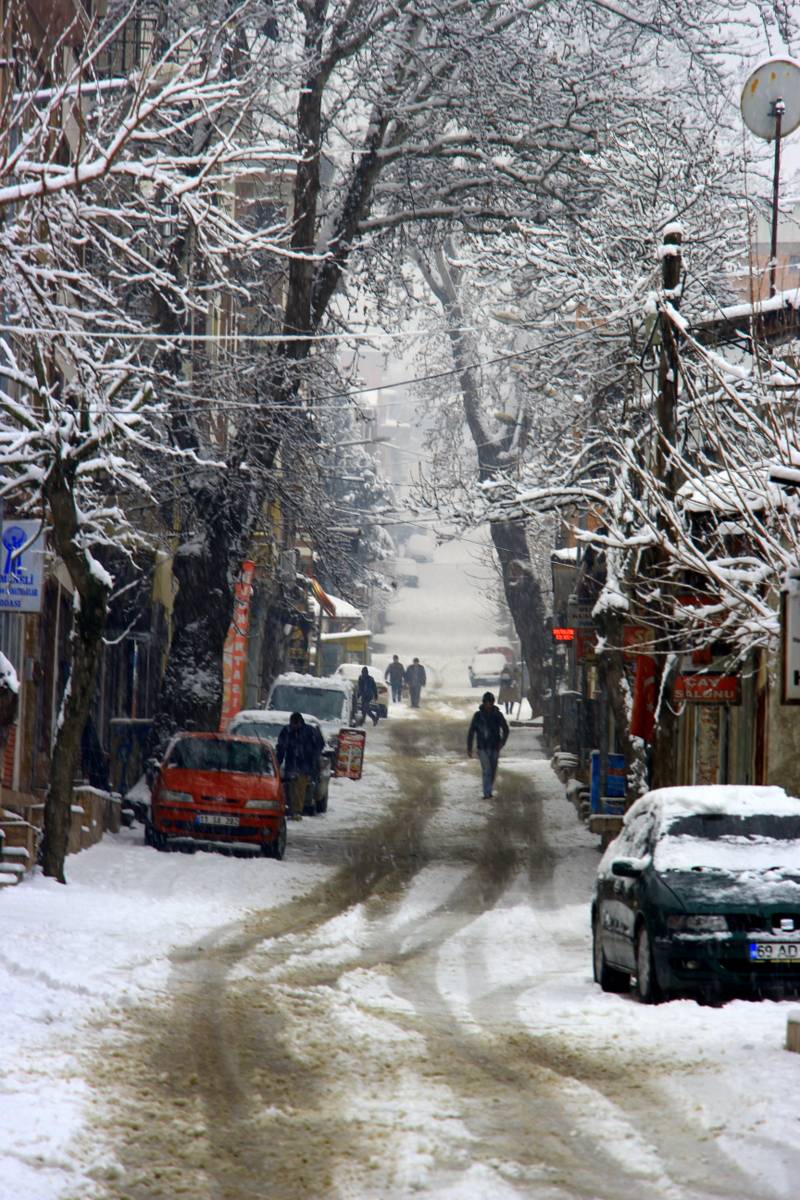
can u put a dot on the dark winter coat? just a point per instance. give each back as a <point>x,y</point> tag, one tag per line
<point>490,728</point>
<point>367,688</point>
<point>395,673</point>
<point>415,676</point>
<point>298,750</point>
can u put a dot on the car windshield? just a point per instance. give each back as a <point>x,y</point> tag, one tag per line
<point>323,703</point>
<point>258,729</point>
<point>220,754</point>
<point>730,842</point>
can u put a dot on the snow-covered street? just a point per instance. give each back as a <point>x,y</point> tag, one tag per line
<point>403,1007</point>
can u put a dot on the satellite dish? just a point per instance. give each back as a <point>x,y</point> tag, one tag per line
<point>775,79</point>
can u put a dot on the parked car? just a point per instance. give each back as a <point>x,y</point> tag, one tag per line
<point>485,668</point>
<point>700,895</point>
<point>266,725</point>
<point>328,698</point>
<point>215,789</point>
<point>352,671</point>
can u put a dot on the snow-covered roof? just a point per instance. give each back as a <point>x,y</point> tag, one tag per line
<point>344,609</point>
<point>331,683</point>
<point>789,298</point>
<point>729,492</point>
<point>345,634</point>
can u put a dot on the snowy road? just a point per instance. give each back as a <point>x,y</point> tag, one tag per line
<point>403,1007</point>
<point>422,1022</point>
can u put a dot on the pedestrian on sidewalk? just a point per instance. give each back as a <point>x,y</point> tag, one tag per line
<point>508,690</point>
<point>395,676</point>
<point>490,729</point>
<point>367,693</point>
<point>416,679</point>
<point>297,753</point>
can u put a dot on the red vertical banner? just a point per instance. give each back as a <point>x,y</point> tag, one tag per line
<point>643,714</point>
<point>234,655</point>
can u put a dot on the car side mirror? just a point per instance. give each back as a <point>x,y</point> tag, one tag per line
<point>629,868</point>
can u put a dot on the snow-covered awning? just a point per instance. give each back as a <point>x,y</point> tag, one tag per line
<point>342,609</point>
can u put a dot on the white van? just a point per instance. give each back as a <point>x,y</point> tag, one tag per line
<point>329,698</point>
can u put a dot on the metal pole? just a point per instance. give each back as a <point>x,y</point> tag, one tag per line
<point>778,109</point>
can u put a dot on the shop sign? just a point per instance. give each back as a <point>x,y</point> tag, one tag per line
<point>708,688</point>
<point>350,753</point>
<point>562,634</point>
<point>790,638</point>
<point>634,639</point>
<point>21,567</point>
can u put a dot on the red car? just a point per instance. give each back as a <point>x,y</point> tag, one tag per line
<point>215,788</point>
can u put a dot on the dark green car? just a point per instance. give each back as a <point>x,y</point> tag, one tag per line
<point>700,896</point>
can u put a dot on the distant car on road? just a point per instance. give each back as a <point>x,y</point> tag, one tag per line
<point>485,668</point>
<point>352,671</point>
<point>700,895</point>
<point>215,790</point>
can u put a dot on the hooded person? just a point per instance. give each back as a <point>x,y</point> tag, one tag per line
<point>367,693</point>
<point>490,729</point>
<point>297,752</point>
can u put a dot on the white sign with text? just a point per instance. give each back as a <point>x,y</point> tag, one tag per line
<point>21,566</point>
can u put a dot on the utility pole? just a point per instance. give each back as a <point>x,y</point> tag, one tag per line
<point>665,471</point>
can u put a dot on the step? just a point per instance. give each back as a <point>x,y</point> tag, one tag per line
<point>7,879</point>
<point>12,868</point>
<point>14,853</point>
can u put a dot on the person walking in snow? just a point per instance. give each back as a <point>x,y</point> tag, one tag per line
<point>508,690</point>
<point>297,752</point>
<point>395,676</point>
<point>416,679</point>
<point>490,729</point>
<point>367,693</point>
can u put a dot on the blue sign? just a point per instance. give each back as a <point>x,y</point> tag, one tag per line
<point>22,563</point>
<point>614,799</point>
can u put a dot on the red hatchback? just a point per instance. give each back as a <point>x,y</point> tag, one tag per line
<point>212,788</point>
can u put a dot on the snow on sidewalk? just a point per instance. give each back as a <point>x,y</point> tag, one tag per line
<point>69,955</point>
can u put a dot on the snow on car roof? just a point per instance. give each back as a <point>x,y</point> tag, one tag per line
<point>270,716</point>
<point>736,799</point>
<point>332,683</point>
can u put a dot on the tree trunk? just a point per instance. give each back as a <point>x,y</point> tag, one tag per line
<point>86,640</point>
<point>613,680</point>
<point>524,599</point>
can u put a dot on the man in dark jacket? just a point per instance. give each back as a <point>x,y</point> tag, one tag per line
<point>367,692</point>
<point>395,676</point>
<point>416,680</point>
<point>490,728</point>
<point>297,753</point>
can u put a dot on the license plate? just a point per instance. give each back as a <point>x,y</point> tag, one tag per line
<point>215,819</point>
<point>775,951</point>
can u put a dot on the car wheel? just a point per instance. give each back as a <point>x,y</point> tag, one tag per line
<point>277,847</point>
<point>646,978</point>
<point>609,978</point>
<point>153,838</point>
